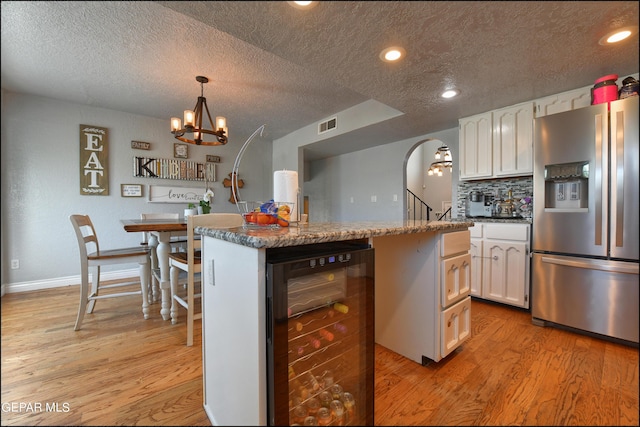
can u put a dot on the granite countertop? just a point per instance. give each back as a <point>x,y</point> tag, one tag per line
<point>500,220</point>
<point>309,233</point>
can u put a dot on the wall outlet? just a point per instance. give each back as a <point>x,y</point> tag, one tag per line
<point>374,199</point>
<point>395,197</point>
<point>15,264</point>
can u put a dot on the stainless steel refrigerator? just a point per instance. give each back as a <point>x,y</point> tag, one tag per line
<point>585,221</point>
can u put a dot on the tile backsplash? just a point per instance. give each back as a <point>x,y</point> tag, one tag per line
<point>521,187</point>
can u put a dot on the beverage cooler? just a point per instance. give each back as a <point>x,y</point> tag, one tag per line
<point>320,334</point>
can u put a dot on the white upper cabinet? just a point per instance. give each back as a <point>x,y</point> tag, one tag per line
<point>475,136</point>
<point>513,140</point>
<point>564,101</point>
<point>497,144</point>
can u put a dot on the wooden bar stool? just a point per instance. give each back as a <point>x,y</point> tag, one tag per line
<point>91,256</point>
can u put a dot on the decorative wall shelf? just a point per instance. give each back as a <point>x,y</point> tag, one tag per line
<point>185,170</point>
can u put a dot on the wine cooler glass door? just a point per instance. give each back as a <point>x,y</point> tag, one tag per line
<point>320,339</point>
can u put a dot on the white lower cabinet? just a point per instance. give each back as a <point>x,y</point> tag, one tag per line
<point>500,263</point>
<point>422,300</point>
<point>456,325</point>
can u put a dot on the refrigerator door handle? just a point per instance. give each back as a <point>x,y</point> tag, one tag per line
<point>616,267</point>
<point>617,177</point>
<point>601,172</point>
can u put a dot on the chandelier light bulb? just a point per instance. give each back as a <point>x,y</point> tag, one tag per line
<point>176,124</point>
<point>189,118</point>
<point>221,122</point>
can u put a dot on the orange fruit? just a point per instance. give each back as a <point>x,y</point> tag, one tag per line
<point>283,219</point>
<point>263,218</point>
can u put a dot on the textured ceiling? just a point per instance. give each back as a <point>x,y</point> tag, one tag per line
<point>271,63</point>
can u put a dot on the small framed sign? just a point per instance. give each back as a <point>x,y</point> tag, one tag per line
<point>213,159</point>
<point>140,145</point>
<point>170,194</point>
<point>131,190</point>
<point>180,151</point>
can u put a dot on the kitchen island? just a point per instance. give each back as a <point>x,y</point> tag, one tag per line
<point>410,258</point>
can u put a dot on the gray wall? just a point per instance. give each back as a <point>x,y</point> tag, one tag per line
<point>40,183</point>
<point>380,171</point>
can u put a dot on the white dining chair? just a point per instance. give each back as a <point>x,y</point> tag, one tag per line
<point>186,267</point>
<point>91,256</point>
<point>178,243</point>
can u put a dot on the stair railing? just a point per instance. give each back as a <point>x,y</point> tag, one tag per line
<point>416,205</point>
<point>444,215</point>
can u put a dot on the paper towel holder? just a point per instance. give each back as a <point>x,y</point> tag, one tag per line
<point>236,165</point>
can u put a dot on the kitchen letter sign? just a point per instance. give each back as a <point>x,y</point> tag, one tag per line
<point>94,155</point>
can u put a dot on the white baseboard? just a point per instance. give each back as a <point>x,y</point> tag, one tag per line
<point>36,285</point>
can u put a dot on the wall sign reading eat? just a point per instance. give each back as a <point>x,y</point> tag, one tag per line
<point>94,155</point>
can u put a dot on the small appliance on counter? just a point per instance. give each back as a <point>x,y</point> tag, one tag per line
<point>479,205</point>
<point>505,208</point>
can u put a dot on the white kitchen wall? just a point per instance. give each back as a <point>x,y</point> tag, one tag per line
<point>40,183</point>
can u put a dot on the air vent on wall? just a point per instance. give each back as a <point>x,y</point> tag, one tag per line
<point>328,125</point>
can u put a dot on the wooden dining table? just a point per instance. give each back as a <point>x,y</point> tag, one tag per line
<point>160,233</point>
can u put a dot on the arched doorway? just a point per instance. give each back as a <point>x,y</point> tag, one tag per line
<point>423,192</point>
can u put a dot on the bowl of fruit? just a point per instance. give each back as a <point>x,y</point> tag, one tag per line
<point>266,214</point>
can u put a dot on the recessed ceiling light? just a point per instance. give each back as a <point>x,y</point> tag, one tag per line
<point>618,35</point>
<point>450,93</point>
<point>302,4</point>
<point>392,54</point>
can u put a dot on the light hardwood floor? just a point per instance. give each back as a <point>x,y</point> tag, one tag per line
<point>122,370</point>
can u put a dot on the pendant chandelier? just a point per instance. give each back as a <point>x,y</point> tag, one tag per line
<point>193,123</point>
<point>443,160</point>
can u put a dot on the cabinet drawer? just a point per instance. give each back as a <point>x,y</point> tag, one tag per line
<point>476,231</point>
<point>455,242</point>
<point>456,279</point>
<point>518,232</point>
<point>455,324</point>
